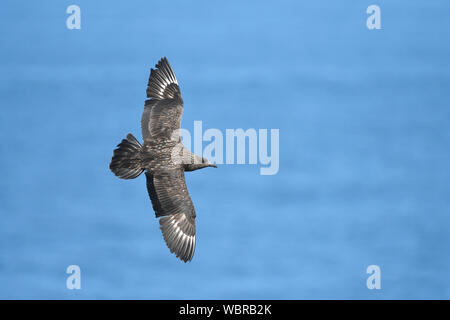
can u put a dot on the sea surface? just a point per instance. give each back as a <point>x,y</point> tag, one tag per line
<point>364,136</point>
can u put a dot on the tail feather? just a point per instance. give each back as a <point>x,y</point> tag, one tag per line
<point>126,161</point>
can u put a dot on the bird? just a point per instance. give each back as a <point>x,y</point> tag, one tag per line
<point>164,159</point>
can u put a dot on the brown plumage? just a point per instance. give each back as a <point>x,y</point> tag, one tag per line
<point>164,160</point>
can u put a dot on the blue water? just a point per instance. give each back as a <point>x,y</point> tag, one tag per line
<point>364,149</point>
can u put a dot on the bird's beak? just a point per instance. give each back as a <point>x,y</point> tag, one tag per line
<point>213,165</point>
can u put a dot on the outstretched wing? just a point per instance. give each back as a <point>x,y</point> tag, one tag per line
<point>162,83</point>
<point>162,112</point>
<point>171,201</point>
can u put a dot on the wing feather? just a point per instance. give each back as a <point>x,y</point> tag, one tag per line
<point>172,203</point>
<point>163,111</point>
<point>162,83</point>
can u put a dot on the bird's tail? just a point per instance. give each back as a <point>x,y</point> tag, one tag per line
<point>126,162</point>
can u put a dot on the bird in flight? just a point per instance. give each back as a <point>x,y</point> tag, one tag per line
<point>164,160</point>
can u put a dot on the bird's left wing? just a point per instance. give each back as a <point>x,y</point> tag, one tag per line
<point>171,201</point>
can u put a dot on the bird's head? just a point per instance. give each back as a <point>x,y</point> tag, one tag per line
<point>206,163</point>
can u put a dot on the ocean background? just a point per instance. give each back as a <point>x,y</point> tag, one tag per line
<point>364,175</point>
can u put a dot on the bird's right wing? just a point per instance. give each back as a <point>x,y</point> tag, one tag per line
<point>162,83</point>
<point>171,201</point>
<point>163,111</point>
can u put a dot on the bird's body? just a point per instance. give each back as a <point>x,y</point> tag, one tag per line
<point>164,160</point>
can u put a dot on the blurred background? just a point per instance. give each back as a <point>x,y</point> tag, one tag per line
<point>364,149</point>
